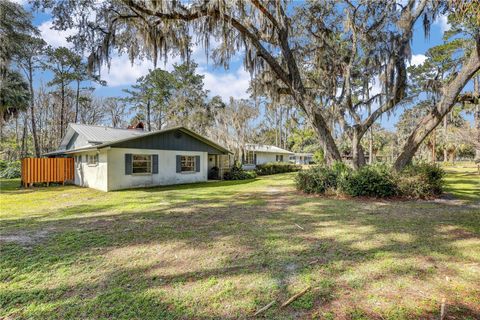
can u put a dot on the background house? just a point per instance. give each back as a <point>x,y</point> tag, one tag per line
<point>112,159</point>
<point>301,158</point>
<point>260,153</point>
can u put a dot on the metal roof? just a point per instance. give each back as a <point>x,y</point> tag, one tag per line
<point>266,148</point>
<point>102,137</point>
<point>101,134</point>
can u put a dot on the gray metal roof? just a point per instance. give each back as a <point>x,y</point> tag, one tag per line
<point>101,134</point>
<point>266,148</point>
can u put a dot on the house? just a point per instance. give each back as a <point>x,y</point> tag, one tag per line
<point>111,159</point>
<point>301,158</point>
<point>256,154</point>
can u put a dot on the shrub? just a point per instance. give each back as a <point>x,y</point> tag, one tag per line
<point>370,181</point>
<point>421,181</point>
<point>276,167</point>
<point>316,180</point>
<point>237,173</point>
<point>417,181</point>
<point>10,169</point>
<point>213,173</point>
<point>321,178</point>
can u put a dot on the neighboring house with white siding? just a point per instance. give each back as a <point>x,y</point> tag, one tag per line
<point>256,154</point>
<point>112,159</point>
<point>301,158</point>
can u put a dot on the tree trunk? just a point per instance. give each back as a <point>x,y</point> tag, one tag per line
<point>36,144</point>
<point>24,148</point>
<point>434,145</point>
<point>358,156</point>
<point>76,101</point>
<point>62,111</point>
<point>445,151</point>
<point>476,89</point>
<point>149,126</point>
<point>430,121</point>
<point>324,135</point>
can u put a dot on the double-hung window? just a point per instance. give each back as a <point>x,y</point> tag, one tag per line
<point>141,164</point>
<point>92,159</point>
<point>187,163</point>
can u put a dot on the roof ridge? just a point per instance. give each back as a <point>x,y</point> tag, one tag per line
<point>99,126</point>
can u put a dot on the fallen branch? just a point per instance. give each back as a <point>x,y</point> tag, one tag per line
<point>296,296</point>
<point>299,226</point>
<point>264,308</point>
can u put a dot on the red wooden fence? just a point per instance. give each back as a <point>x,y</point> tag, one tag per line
<point>46,170</point>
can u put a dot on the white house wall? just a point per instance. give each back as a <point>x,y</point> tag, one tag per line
<point>167,166</point>
<point>92,176</point>
<point>264,157</point>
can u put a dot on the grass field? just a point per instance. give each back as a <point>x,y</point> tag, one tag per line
<point>226,249</point>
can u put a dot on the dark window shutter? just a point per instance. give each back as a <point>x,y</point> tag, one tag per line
<point>128,163</point>
<point>155,163</point>
<point>255,158</point>
<point>197,163</point>
<point>97,159</point>
<point>179,164</point>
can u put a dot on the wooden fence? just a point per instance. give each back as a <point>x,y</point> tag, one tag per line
<point>47,170</point>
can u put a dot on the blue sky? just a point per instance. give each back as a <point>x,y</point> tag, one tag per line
<point>233,82</point>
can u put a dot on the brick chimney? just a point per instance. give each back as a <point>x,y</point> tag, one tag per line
<point>139,126</point>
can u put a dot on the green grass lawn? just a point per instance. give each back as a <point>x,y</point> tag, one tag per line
<point>226,249</point>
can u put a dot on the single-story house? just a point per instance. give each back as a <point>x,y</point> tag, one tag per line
<point>301,158</point>
<point>111,158</point>
<point>256,154</point>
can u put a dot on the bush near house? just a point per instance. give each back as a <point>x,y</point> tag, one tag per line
<point>276,167</point>
<point>237,173</point>
<point>416,181</point>
<point>10,169</point>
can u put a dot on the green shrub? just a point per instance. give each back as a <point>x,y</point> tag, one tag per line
<point>10,169</point>
<point>276,167</point>
<point>321,178</point>
<point>416,181</point>
<point>369,181</point>
<point>316,180</point>
<point>237,173</point>
<point>422,180</point>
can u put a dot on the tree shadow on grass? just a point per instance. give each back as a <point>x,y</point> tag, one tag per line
<point>285,239</point>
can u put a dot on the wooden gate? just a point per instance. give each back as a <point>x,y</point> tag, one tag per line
<point>47,170</point>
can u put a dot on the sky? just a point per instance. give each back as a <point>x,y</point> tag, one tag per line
<point>233,82</point>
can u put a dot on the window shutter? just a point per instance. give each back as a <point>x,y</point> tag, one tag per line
<point>96,159</point>
<point>155,163</point>
<point>197,163</point>
<point>179,164</point>
<point>128,163</point>
<point>255,158</point>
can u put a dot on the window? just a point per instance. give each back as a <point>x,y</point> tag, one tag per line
<point>279,158</point>
<point>141,164</point>
<point>249,157</point>
<point>92,160</point>
<point>187,163</point>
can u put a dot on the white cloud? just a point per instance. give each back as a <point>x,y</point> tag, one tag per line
<point>55,38</point>
<point>442,22</point>
<point>20,2</point>
<point>417,59</point>
<point>123,72</point>
<point>227,85</point>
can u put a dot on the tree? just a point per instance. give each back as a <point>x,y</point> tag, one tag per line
<point>115,109</point>
<point>15,28</point>
<point>14,94</point>
<point>64,64</point>
<point>152,92</point>
<point>459,75</point>
<point>28,59</point>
